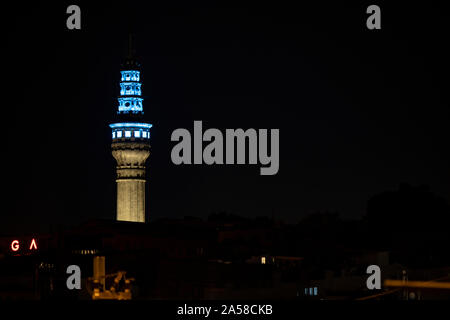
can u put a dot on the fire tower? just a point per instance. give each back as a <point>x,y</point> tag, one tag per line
<point>130,144</point>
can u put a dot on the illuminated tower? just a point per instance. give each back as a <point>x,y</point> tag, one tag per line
<point>130,145</point>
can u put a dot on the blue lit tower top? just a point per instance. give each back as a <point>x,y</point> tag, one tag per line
<point>130,100</point>
<point>130,105</point>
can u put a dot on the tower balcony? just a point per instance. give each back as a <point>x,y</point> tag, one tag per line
<point>130,104</point>
<point>130,89</point>
<point>130,75</point>
<point>130,131</point>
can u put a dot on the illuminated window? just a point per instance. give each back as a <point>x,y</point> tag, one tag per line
<point>127,134</point>
<point>114,135</point>
<point>306,291</point>
<point>315,291</point>
<point>132,75</point>
<point>137,134</point>
<point>263,260</point>
<point>144,134</point>
<point>130,88</point>
<point>310,291</point>
<point>127,104</point>
<point>119,134</point>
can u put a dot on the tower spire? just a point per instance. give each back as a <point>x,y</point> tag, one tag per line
<point>130,46</point>
<point>130,143</point>
<point>131,62</point>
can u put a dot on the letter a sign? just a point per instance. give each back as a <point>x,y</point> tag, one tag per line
<point>33,245</point>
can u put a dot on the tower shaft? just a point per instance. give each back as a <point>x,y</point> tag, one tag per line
<point>130,180</point>
<point>130,146</point>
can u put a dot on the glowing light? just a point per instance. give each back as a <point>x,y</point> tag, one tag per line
<point>15,245</point>
<point>417,284</point>
<point>130,75</point>
<point>263,260</point>
<point>130,102</point>
<point>130,89</point>
<point>127,104</point>
<point>130,125</point>
<point>33,244</point>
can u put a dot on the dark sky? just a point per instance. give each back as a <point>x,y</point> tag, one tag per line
<point>359,111</point>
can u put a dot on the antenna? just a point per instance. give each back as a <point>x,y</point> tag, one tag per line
<point>130,45</point>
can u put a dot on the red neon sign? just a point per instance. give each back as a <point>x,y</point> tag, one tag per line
<point>15,245</point>
<point>33,244</point>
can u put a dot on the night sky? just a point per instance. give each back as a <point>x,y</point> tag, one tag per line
<point>359,111</point>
